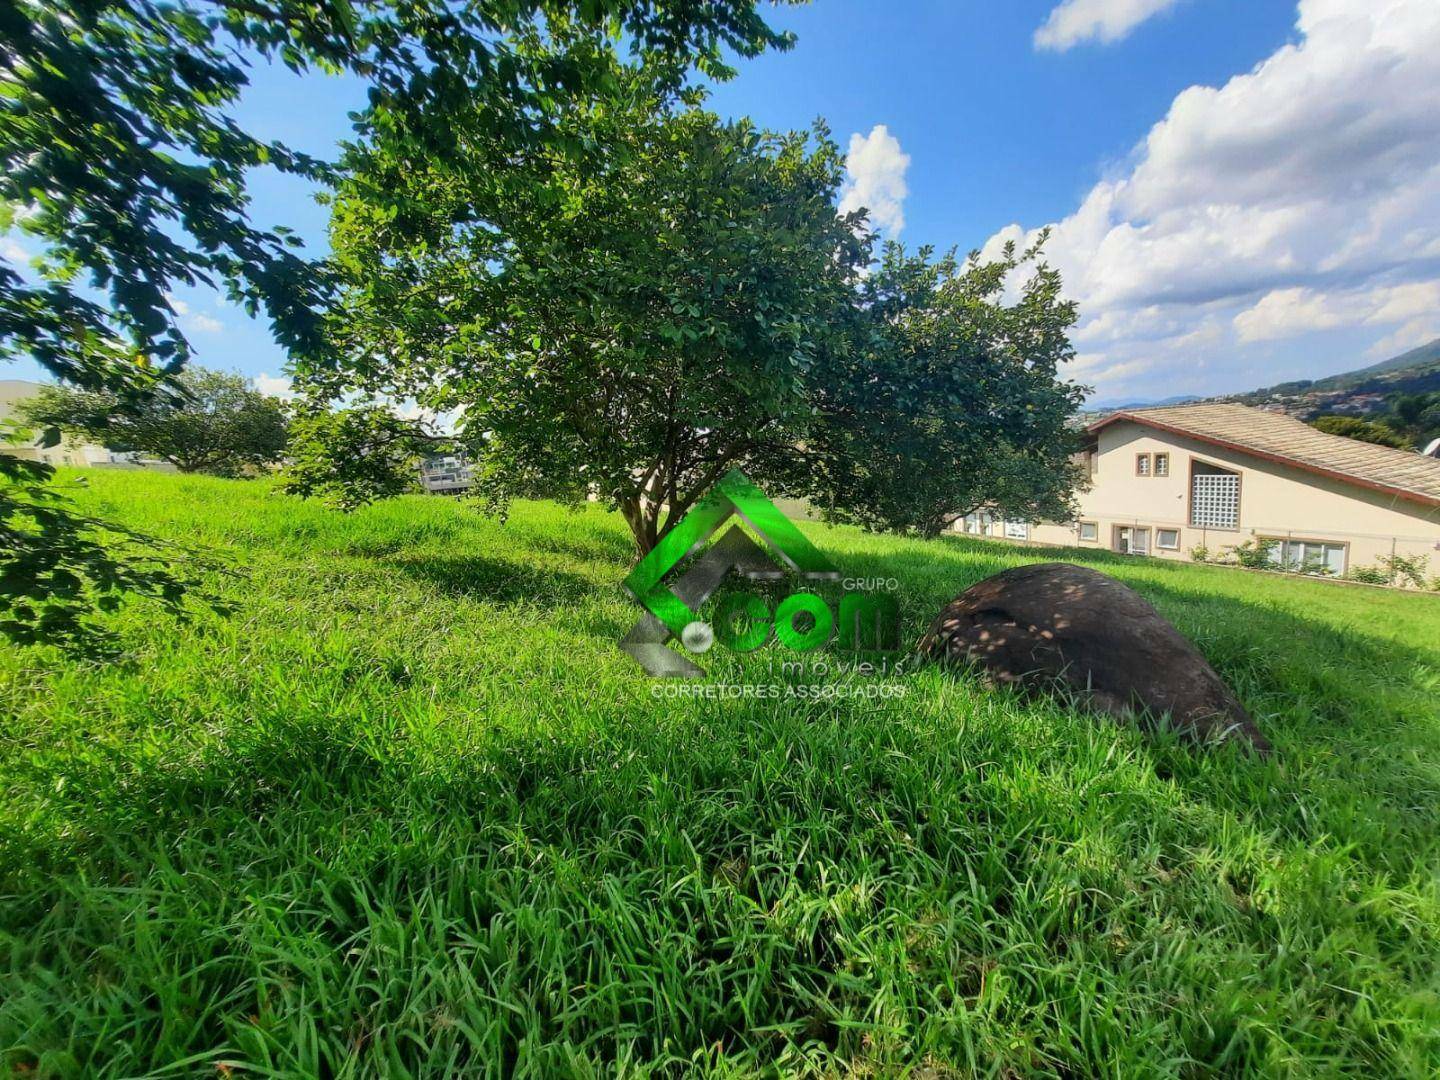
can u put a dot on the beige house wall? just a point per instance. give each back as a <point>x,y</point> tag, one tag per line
<point>1275,501</point>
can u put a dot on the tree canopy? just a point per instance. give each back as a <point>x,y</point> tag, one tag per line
<point>943,398</point>
<point>680,298</point>
<point>1355,427</point>
<point>213,423</point>
<point>633,322</point>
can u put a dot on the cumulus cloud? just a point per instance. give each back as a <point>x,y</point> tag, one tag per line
<point>1075,21</point>
<point>875,179</point>
<point>192,321</point>
<point>276,386</point>
<point>200,323</point>
<point>14,251</point>
<point>1300,197</point>
<point>1283,313</point>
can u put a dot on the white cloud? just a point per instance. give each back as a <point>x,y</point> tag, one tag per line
<point>14,251</point>
<point>1075,21</point>
<point>1284,313</point>
<point>875,179</point>
<point>192,321</point>
<point>200,323</point>
<point>1300,197</point>
<point>276,386</point>
<point>1414,333</point>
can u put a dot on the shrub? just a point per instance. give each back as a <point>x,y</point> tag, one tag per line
<point>1353,427</point>
<point>1406,571</point>
<point>1255,555</point>
<point>1368,575</point>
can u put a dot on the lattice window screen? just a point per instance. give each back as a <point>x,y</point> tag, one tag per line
<point>1215,500</point>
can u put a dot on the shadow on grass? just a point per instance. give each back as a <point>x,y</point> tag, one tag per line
<point>1358,750</point>
<point>581,542</point>
<point>496,581</point>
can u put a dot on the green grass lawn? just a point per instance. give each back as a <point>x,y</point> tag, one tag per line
<point>408,810</point>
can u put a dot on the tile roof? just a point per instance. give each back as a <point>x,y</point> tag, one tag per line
<point>1281,438</point>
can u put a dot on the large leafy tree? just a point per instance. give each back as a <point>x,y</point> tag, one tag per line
<point>942,397</point>
<point>215,423</point>
<point>632,321</point>
<point>119,156</point>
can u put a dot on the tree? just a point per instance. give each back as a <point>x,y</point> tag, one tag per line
<point>1353,427</point>
<point>214,422</point>
<point>1415,415</point>
<point>349,457</point>
<point>945,399</point>
<point>635,322</point>
<point>120,157</point>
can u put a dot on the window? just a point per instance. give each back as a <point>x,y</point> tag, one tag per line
<point>1162,464</point>
<point>1307,556</point>
<point>1089,530</point>
<point>977,522</point>
<point>1214,498</point>
<point>1142,464</point>
<point>1168,539</point>
<point>1132,541</point>
<point>1017,530</point>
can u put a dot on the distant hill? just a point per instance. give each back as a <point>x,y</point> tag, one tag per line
<point>1411,372</point>
<point>1359,392</point>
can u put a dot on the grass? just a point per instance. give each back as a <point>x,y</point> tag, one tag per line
<point>409,811</point>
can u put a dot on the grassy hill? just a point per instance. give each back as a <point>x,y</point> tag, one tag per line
<point>408,810</point>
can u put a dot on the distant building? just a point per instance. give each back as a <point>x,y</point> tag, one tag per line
<point>446,474</point>
<point>71,450</point>
<point>1164,481</point>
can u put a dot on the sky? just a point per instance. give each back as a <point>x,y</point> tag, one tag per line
<point>1240,192</point>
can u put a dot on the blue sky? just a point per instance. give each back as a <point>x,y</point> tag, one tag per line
<point>1243,191</point>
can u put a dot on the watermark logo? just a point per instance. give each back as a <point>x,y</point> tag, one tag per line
<point>802,620</point>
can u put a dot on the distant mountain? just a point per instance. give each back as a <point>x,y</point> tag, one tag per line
<point>1116,405</point>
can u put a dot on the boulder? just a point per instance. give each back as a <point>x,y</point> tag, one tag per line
<point>1054,623</point>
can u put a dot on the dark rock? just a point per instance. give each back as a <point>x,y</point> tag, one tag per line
<point>1054,623</point>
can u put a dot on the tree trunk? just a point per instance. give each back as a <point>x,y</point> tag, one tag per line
<point>637,514</point>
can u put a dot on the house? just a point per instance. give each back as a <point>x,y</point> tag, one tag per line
<point>445,474</point>
<point>1165,481</point>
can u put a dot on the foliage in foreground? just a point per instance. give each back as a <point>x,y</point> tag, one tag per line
<point>411,811</point>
